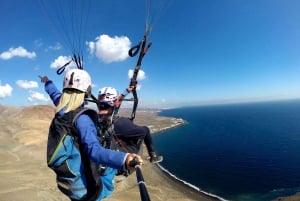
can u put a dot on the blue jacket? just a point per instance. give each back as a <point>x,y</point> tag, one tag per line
<point>88,136</point>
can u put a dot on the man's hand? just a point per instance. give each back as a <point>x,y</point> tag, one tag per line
<point>131,157</point>
<point>133,84</point>
<point>131,88</point>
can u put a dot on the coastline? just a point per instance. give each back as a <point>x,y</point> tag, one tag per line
<point>175,123</point>
<point>193,190</point>
<point>189,192</point>
<point>161,184</point>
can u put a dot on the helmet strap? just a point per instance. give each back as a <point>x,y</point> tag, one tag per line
<point>88,91</point>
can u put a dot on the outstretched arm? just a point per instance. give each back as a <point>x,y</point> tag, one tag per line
<point>91,145</point>
<point>51,89</point>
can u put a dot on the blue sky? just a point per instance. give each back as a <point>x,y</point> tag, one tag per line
<point>203,52</point>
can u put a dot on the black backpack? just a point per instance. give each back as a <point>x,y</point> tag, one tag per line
<point>76,176</point>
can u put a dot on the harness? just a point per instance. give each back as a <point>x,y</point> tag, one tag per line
<point>108,135</point>
<point>118,141</point>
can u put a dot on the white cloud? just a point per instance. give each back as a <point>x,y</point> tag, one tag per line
<point>5,90</point>
<point>92,47</point>
<point>27,84</point>
<point>110,49</point>
<point>36,96</point>
<point>17,52</point>
<point>57,46</point>
<point>38,43</point>
<point>141,74</point>
<point>62,60</point>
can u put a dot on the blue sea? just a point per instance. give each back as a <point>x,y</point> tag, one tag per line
<point>238,152</point>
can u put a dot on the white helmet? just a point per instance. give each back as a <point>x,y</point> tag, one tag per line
<point>78,79</point>
<point>108,95</point>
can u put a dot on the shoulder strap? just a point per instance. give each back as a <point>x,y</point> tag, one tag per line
<point>88,111</point>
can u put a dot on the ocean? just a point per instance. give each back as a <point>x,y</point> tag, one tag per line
<point>238,152</point>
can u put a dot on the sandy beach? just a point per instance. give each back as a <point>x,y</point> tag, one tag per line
<point>25,175</point>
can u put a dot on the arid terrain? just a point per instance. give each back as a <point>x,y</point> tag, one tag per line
<point>26,177</point>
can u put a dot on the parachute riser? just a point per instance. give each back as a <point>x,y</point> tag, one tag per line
<point>132,52</point>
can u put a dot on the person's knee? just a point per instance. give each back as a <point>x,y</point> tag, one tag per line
<point>146,130</point>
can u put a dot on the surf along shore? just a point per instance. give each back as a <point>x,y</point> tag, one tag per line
<point>160,185</point>
<point>25,175</point>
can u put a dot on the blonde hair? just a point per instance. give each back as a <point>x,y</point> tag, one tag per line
<point>70,100</point>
